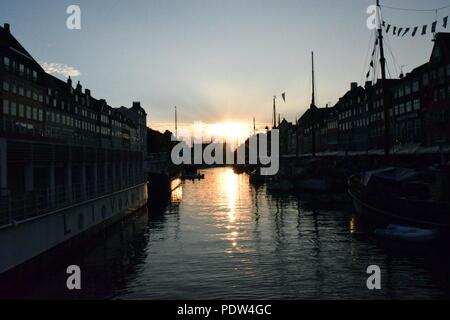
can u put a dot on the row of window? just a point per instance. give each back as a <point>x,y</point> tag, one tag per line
<point>37,114</point>
<point>407,107</point>
<point>19,68</point>
<point>22,91</point>
<point>22,111</point>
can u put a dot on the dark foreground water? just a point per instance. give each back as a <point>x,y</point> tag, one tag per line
<point>223,238</point>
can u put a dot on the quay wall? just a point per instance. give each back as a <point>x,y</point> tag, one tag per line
<point>21,241</point>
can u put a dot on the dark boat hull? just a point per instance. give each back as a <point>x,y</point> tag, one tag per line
<point>407,216</point>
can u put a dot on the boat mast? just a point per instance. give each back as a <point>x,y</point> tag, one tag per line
<point>312,107</point>
<point>176,124</point>
<point>274,112</point>
<point>383,83</point>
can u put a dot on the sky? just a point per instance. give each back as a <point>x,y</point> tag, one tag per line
<point>216,60</point>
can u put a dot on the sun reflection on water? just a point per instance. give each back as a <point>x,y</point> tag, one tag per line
<point>231,189</point>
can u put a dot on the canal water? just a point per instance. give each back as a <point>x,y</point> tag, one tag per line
<point>222,237</point>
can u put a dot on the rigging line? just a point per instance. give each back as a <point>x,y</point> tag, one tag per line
<point>394,60</point>
<point>417,10</point>
<point>367,56</point>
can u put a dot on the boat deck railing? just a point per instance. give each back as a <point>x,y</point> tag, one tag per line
<point>19,207</point>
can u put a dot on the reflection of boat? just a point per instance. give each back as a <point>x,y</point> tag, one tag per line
<point>195,176</point>
<point>313,184</point>
<point>410,234</point>
<point>279,184</point>
<point>191,173</point>
<point>256,177</point>
<point>403,196</point>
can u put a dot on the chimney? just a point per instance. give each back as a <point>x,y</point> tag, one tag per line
<point>353,85</point>
<point>136,104</point>
<point>69,81</point>
<point>87,92</point>
<point>79,87</point>
<point>7,27</point>
<point>368,84</point>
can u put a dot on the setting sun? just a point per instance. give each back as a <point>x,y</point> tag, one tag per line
<point>229,131</point>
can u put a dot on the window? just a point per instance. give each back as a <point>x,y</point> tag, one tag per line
<point>425,79</point>
<point>21,69</point>
<point>34,75</point>
<point>415,86</point>
<point>416,104</point>
<point>28,112</point>
<point>5,86</point>
<point>21,110</point>
<point>5,106</point>
<point>28,93</point>
<point>41,115</point>
<point>21,91</point>
<point>35,114</point>
<point>13,109</point>
<point>401,108</point>
<point>6,62</point>
<point>408,106</point>
<point>407,89</point>
<point>396,109</point>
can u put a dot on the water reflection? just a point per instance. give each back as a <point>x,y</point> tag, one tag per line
<point>176,195</point>
<point>223,238</point>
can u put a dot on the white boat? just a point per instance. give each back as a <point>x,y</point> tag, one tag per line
<point>404,233</point>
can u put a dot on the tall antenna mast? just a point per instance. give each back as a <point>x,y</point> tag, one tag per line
<point>254,126</point>
<point>383,82</point>
<point>312,107</point>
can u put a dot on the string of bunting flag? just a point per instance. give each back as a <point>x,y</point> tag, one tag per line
<point>402,31</point>
<point>395,30</point>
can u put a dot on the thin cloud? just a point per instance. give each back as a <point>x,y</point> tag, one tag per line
<point>61,69</point>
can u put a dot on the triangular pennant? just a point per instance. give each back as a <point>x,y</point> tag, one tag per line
<point>444,23</point>
<point>371,64</point>
<point>394,32</point>
<point>399,31</point>
<point>433,27</point>
<point>283,95</point>
<point>384,23</point>
<point>388,27</point>
<point>424,29</point>
<point>368,74</point>
<point>414,31</point>
<point>406,31</point>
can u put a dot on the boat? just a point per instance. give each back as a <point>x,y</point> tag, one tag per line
<point>405,233</point>
<point>402,196</point>
<point>192,176</point>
